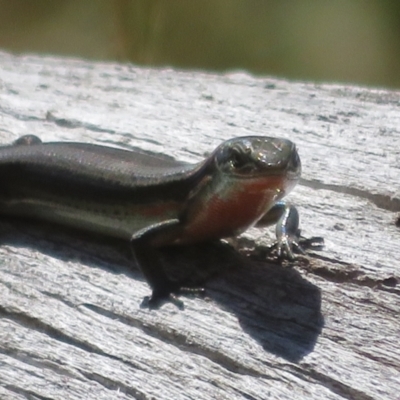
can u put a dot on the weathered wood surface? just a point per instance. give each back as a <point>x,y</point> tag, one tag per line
<point>71,322</point>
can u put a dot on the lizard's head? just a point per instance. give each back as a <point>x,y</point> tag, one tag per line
<point>264,163</point>
<point>241,180</point>
<point>252,156</point>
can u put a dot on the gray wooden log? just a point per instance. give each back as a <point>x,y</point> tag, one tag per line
<point>71,322</point>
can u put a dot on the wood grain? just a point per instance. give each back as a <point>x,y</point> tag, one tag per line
<point>324,328</point>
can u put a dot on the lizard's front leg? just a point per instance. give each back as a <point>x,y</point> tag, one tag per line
<point>286,218</point>
<point>146,246</point>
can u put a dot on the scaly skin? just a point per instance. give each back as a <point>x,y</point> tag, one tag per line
<point>152,201</point>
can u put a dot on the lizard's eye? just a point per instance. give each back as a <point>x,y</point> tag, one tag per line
<point>236,158</point>
<point>239,158</point>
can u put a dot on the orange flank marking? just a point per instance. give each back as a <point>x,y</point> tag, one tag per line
<point>234,212</point>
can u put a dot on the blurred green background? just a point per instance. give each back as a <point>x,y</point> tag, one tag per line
<point>353,41</point>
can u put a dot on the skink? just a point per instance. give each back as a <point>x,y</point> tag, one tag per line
<point>151,201</point>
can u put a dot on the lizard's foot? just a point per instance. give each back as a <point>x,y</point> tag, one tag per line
<point>289,245</point>
<point>170,294</point>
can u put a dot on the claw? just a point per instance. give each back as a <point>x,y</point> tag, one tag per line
<point>160,297</point>
<point>289,239</point>
<point>284,248</point>
<point>288,245</point>
<point>312,243</point>
<point>154,302</point>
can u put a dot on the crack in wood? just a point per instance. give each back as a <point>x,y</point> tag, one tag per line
<point>40,326</point>
<point>113,385</point>
<point>181,342</point>
<point>29,394</point>
<point>385,202</point>
<point>32,360</point>
<point>334,385</point>
<point>350,274</point>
